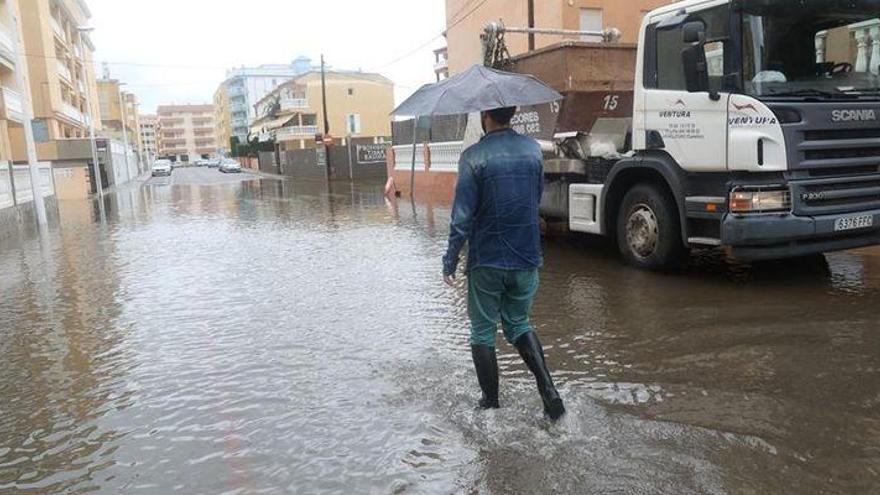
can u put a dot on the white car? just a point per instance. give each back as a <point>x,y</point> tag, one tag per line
<point>161,167</point>
<point>230,166</point>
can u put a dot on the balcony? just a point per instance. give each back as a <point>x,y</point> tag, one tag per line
<point>7,53</point>
<point>296,131</point>
<point>294,103</point>
<point>235,91</point>
<point>441,65</point>
<point>63,70</point>
<point>13,105</point>
<point>73,113</point>
<point>57,29</point>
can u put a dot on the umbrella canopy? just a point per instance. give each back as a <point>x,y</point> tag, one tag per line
<point>475,90</point>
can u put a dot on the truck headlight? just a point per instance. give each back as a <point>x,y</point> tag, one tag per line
<point>760,200</point>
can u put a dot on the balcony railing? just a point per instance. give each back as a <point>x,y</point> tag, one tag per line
<point>63,70</point>
<point>294,103</point>
<point>441,65</point>
<point>6,43</point>
<point>73,113</point>
<point>296,131</point>
<point>867,41</point>
<point>56,27</point>
<point>13,104</point>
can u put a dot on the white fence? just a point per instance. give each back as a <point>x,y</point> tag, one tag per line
<point>444,156</point>
<point>15,183</point>
<point>6,198</point>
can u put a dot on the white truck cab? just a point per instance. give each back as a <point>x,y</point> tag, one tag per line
<point>754,127</point>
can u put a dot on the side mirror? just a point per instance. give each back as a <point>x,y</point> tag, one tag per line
<point>693,32</point>
<point>693,57</point>
<point>696,69</point>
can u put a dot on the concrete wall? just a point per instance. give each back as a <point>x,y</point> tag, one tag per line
<point>362,160</point>
<point>17,220</point>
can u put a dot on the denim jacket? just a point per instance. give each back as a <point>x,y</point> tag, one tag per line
<point>500,182</point>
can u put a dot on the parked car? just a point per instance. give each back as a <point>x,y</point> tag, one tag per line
<point>201,163</point>
<point>230,166</point>
<point>162,167</point>
<point>214,163</point>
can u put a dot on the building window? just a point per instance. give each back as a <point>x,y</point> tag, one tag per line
<point>592,20</point>
<point>350,91</point>
<point>353,123</point>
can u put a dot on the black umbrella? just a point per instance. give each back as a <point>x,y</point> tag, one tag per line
<point>475,90</point>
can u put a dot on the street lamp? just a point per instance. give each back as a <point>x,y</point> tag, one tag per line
<point>124,131</point>
<point>99,189</point>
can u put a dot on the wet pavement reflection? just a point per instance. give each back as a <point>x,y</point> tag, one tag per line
<point>234,334</point>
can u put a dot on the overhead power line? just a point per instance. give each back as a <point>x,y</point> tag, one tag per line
<point>425,44</point>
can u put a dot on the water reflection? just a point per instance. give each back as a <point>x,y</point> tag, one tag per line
<point>257,335</point>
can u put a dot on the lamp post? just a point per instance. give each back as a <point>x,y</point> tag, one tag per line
<point>124,132</point>
<point>99,187</point>
<point>28,114</point>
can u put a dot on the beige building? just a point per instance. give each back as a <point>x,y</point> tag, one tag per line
<point>115,105</point>
<point>149,127</point>
<point>465,23</point>
<point>11,113</point>
<point>222,119</point>
<point>186,132</point>
<point>61,73</point>
<point>359,104</point>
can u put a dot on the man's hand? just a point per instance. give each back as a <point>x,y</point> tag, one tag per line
<point>449,279</point>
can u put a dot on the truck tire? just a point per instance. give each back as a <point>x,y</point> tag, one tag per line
<point>649,229</point>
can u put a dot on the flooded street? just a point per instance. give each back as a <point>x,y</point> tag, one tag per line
<point>231,334</point>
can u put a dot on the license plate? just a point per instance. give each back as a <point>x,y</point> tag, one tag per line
<point>852,223</point>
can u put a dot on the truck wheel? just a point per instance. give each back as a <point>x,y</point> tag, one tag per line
<point>649,230</point>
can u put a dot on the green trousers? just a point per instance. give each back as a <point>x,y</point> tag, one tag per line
<point>500,295</point>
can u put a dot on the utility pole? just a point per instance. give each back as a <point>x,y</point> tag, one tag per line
<point>28,113</point>
<point>531,25</point>
<point>326,119</point>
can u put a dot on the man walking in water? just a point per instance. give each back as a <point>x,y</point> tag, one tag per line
<point>500,182</point>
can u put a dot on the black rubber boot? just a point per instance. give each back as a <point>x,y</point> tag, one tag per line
<point>487,374</point>
<point>530,350</point>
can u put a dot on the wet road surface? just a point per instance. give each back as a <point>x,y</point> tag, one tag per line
<point>232,334</point>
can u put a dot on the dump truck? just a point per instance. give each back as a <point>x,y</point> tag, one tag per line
<point>750,125</point>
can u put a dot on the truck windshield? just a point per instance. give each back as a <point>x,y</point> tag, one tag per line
<point>811,48</point>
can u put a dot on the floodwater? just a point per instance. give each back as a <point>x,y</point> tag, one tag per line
<point>226,334</point>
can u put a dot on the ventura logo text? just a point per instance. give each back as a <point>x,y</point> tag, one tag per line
<point>852,115</point>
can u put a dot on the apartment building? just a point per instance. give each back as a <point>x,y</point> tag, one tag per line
<point>149,126</point>
<point>358,105</point>
<point>61,72</point>
<point>441,63</point>
<point>119,115</point>
<point>11,113</point>
<point>465,23</point>
<point>222,120</point>
<point>186,132</point>
<point>244,87</point>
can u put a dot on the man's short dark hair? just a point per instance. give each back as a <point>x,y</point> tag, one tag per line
<point>502,115</point>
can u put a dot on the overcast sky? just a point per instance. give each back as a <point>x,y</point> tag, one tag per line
<point>177,51</point>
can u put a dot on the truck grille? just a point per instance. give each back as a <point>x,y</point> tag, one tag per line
<point>840,148</point>
<point>830,196</point>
